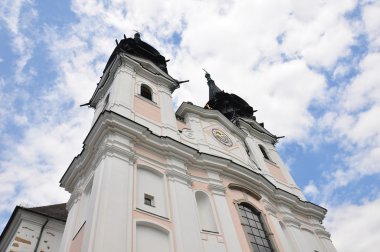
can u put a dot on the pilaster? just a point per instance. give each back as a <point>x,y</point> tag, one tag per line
<point>184,207</point>
<point>224,215</point>
<point>111,204</point>
<point>122,91</point>
<point>68,233</point>
<point>169,122</point>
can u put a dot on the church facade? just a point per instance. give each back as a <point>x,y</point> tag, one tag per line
<point>205,179</point>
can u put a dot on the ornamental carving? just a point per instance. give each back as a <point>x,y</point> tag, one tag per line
<point>222,137</point>
<point>188,133</point>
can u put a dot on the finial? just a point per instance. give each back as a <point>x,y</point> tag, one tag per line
<point>213,89</point>
<point>207,75</point>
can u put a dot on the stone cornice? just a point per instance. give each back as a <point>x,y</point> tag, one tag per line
<point>291,221</point>
<point>256,130</point>
<point>217,188</point>
<point>322,233</point>
<point>111,122</point>
<point>178,176</point>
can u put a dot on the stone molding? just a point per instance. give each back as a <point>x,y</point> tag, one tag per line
<point>291,221</point>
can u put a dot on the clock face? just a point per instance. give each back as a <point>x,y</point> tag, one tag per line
<point>222,137</point>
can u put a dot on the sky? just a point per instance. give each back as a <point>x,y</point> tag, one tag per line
<point>310,68</point>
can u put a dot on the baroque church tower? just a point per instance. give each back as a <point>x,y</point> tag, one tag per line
<point>204,179</point>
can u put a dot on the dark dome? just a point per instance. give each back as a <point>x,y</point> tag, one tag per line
<point>135,46</point>
<point>230,105</point>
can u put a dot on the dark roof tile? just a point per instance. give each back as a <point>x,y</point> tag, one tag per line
<point>57,211</point>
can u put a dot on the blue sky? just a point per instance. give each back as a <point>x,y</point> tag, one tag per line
<point>310,68</point>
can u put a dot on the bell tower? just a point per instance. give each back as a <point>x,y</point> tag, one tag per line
<point>136,85</point>
<point>133,96</point>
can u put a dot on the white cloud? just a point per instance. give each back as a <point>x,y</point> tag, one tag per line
<point>311,190</point>
<point>264,51</point>
<point>353,123</point>
<point>21,119</point>
<point>319,32</point>
<point>371,20</point>
<point>18,17</point>
<point>350,222</point>
<point>364,89</point>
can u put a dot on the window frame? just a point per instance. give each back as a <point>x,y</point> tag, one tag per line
<point>264,152</point>
<point>149,200</point>
<point>148,89</point>
<point>263,223</point>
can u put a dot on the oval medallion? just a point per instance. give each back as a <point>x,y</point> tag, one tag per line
<point>222,137</point>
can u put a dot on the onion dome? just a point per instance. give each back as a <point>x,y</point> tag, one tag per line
<point>135,46</point>
<point>230,105</point>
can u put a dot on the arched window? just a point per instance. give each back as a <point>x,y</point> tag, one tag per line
<point>146,92</point>
<point>254,229</point>
<point>265,154</point>
<point>206,215</point>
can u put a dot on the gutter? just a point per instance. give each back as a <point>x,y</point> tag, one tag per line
<point>39,237</point>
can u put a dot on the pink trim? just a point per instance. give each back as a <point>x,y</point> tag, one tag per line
<point>181,125</point>
<point>276,172</point>
<point>146,109</point>
<point>76,244</point>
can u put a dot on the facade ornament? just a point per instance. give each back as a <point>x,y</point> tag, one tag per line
<point>218,189</point>
<point>188,133</point>
<point>175,175</point>
<point>222,137</point>
<point>323,233</point>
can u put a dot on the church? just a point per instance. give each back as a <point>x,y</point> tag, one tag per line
<point>199,179</point>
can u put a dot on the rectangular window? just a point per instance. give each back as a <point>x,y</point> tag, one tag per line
<point>148,200</point>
